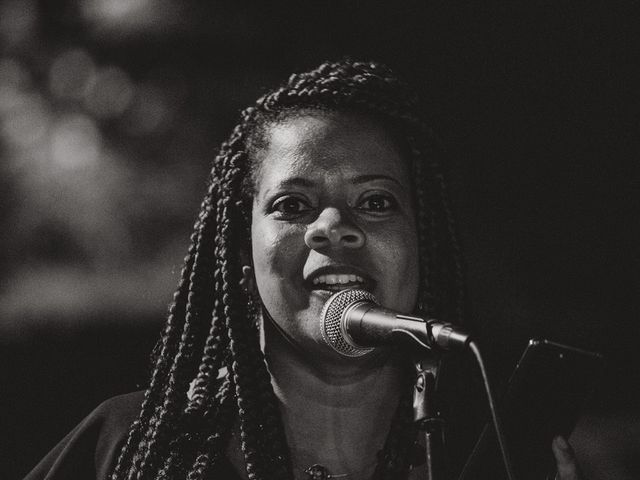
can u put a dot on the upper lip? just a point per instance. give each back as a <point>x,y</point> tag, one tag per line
<point>369,283</point>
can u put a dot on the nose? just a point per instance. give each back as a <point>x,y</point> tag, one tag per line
<point>331,229</point>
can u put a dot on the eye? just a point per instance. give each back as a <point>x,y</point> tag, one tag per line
<point>290,206</point>
<point>378,203</point>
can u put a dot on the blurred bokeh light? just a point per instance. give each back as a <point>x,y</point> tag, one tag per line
<point>93,215</point>
<point>110,93</point>
<point>18,21</point>
<point>25,123</point>
<point>71,74</point>
<point>133,17</point>
<point>75,142</point>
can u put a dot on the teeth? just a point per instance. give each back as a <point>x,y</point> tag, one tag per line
<point>333,279</point>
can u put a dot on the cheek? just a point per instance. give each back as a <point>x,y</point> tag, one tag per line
<point>399,253</point>
<point>275,254</point>
<point>406,260</point>
<point>264,253</point>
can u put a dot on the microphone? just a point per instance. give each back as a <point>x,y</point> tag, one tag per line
<point>353,322</point>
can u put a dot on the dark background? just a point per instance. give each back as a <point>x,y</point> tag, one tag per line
<point>111,110</point>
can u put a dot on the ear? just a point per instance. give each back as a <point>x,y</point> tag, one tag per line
<point>247,276</point>
<point>248,283</point>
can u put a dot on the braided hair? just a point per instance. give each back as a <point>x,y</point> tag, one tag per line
<point>212,321</point>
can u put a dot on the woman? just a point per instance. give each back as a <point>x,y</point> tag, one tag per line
<point>330,182</point>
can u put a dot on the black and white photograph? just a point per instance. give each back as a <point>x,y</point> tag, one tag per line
<point>319,240</point>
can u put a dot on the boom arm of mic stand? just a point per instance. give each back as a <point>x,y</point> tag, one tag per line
<point>426,417</point>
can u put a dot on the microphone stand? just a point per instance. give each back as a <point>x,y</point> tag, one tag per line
<point>429,423</point>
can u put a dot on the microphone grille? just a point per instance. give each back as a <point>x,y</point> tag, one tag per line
<point>332,328</point>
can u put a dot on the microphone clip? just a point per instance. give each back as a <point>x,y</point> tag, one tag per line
<point>426,417</point>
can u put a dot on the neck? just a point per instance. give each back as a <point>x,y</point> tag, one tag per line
<point>336,414</point>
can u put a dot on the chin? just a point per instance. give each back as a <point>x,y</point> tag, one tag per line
<point>338,365</point>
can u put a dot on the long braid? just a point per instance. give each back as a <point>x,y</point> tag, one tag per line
<point>221,424</point>
<point>132,456</point>
<point>169,342</point>
<point>215,345</point>
<point>212,322</point>
<point>256,400</point>
<point>198,308</point>
<point>183,460</point>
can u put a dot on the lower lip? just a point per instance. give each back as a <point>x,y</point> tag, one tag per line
<point>337,287</point>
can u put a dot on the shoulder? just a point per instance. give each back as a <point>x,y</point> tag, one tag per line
<point>117,413</point>
<point>92,447</point>
<point>111,421</point>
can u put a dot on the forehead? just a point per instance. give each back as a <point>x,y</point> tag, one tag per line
<point>329,143</point>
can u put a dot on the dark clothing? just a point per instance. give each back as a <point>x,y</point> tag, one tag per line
<point>90,450</point>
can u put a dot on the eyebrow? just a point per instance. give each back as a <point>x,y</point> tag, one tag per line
<point>368,178</point>
<point>305,182</point>
<point>296,182</point>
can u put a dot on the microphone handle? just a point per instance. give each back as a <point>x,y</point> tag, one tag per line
<point>365,324</point>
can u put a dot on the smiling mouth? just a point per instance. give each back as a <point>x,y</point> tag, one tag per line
<point>338,282</point>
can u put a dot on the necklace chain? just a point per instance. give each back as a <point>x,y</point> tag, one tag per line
<point>319,472</point>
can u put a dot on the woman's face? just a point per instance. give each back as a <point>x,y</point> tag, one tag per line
<point>333,210</point>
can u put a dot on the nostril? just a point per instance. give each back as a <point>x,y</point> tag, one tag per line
<point>332,230</point>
